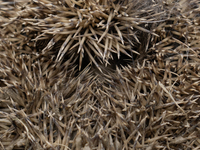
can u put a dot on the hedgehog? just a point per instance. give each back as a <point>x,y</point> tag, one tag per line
<point>99,74</point>
<point>97,30</point>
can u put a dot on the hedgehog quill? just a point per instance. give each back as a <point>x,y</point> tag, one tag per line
<point>99,74</point>
<point>106,26</point>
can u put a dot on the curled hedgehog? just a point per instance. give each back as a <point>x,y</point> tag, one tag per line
<point>99,74</point>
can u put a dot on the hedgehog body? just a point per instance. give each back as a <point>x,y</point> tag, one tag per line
<point>99,74</point>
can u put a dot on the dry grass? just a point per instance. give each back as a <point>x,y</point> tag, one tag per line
<point>99,74</point>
